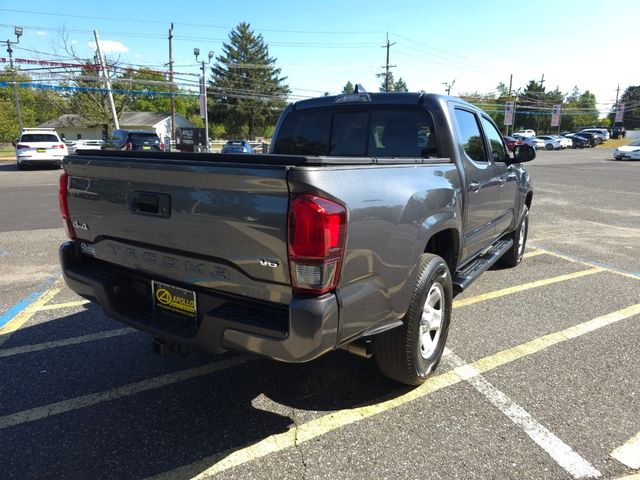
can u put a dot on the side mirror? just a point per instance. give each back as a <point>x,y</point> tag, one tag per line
<point>523,153</point>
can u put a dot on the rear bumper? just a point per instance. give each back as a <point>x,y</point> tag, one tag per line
<point>301,331</point>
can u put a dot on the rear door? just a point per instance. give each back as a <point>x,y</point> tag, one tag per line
<point>481,182</point>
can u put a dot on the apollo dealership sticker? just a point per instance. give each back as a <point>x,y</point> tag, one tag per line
<point>174,299</point>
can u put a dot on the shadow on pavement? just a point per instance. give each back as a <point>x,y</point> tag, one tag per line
<point>160,429</point>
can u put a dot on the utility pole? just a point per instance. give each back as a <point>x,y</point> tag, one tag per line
<point>512,117</point>
<point>18,32</point>
<point>203,96</point>
<point>105,71</point>
<point>448,86</point>
<point>387,79</point>
<point>617,93</point>
<point>173,100</point>
<point>539,103</point>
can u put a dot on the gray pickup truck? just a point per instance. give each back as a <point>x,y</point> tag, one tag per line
<point>370,212</point>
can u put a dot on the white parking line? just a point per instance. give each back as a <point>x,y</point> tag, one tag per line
<point>8,352</point>
<point>629,453</point>
<point>562,453</point>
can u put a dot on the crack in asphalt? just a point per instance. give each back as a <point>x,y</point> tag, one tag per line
<point>296,445</point>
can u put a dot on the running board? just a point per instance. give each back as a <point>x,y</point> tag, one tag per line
<point>463,278</point>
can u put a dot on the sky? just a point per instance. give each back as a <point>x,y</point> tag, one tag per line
<point>320,45</point>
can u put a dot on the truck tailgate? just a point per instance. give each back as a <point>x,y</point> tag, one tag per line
<point>218,226</point>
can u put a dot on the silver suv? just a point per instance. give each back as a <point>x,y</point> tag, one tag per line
<point>39,146</point>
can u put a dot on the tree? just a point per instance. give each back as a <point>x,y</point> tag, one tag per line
<point>631,100</point>
<point>36,105</point>
<point>394,86</point>
<point>248,91</point>
<point>348,88</point>
<point>400,86</point>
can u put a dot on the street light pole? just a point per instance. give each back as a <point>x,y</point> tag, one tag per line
<point>18,32</point>
<point>203,87</point>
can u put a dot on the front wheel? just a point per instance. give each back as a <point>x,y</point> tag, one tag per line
<point>548,146</point>
<point>410,353</point>
<point>514,255</point>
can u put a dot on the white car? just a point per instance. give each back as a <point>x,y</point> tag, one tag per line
<point>550,142</point>
<point>534,142</point>
<point>565,142</point>
<point>631,151</point>
<point>525,133</point>
<point>39,146</point>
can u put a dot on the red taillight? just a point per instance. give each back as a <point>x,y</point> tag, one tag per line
<point>161,147</point>
<point>59,145</point>
<point>64,206</point>
<point>317,231</point>
<point>20,146</point>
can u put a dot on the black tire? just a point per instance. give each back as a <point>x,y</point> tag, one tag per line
<point>402,354</point>
<point>513,256</point>
<point>548,146</point>
<point>20,166</point>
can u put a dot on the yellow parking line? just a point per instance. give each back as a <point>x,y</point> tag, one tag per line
<point>533,253</point>
<point>56,306</point>
<point>307,431</point>
<point>23,317</point>
<point>65,342</point>
<point>38,413</point>
<point>525,286</point>
<point>629,453</point>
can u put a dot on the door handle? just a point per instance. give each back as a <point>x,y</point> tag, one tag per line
<point>474,186</point>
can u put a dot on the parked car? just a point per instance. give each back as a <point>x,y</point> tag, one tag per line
<point>592,138</point>
<point>73,145</point>
<point>565,142</point>
<point>39,146</point>
<point>579,142</point>
<point>631,151</point>
<point>302,251</point>
<point>601,133</point>
<point>510,142</point>
<point>237,146</point>
<point>550,142</point>
<point>617,132</point>
<point>534,142</point>
<point>525,133</point>
<point>134,140</point>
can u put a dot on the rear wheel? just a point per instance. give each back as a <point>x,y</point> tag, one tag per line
<point>410,353</point>
<point>548,146</point>
<point>20,166</point>
<point>514,255</point>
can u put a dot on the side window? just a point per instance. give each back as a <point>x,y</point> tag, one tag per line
<point>304,133</point>
<point>498,152</point>
<point>470,136</point>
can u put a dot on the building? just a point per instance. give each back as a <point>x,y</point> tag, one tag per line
<point>158,121</point>
<point>75,127</point>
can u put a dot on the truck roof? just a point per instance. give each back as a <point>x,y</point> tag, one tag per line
<point>374,98</point>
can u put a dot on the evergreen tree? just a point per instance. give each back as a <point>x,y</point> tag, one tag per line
<point>248,91</point>
<point>400,86</point>
<point>348,88</point>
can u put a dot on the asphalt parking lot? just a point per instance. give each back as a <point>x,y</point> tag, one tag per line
<point>540,379</point>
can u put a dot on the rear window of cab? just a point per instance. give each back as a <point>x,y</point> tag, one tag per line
<point>39,137</point>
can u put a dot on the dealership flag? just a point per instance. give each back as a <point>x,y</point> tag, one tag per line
<point>203,97</point>
<point>508,113</point>
<point>555,116</point>
<point>619,113</point>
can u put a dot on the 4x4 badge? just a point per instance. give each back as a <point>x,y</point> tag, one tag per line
<point>81,226</point>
